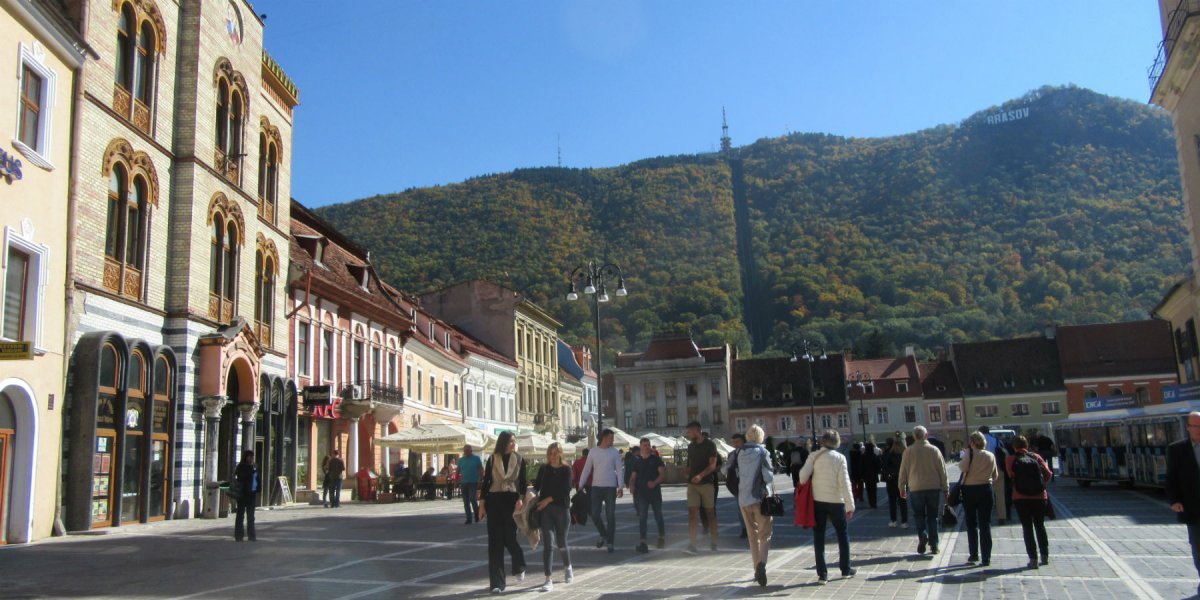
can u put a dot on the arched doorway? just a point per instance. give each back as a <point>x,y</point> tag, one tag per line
<point>227,436</point>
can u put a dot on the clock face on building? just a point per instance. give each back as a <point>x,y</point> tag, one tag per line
<point>233,22</point>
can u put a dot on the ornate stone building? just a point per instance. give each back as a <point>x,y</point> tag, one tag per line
<point>671,384</point>
<point>178,239</point>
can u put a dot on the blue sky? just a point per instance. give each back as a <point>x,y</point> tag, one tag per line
<point>399,94</point>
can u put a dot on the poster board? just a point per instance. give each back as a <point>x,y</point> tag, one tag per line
<point>285,492</point>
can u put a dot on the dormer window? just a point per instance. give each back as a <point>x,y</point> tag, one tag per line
<point>787,391</point>
<point>431,331</point>
<point>1010,381</point>
<point>757,393</point>
<point>902,387</point>
<point>314,245</point>
<point>446,339</point>
<point>361,274</point>
<point>981,383</point>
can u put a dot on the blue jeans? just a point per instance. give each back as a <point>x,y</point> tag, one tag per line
<point>607,496</point>
<point>925,505</point>
<point>977,506</point>
<point>470,503</point>
<point>644,500</point>
<point>836,514</point>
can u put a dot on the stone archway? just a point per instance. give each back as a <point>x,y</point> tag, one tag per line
<point>19,504</point>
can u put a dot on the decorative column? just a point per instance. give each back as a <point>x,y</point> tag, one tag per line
<point>352,453</point>
<point>249,410</point>
<point>212,420</point>
<point>353,411</point>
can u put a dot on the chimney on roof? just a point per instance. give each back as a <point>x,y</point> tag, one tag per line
<point>910,350</point>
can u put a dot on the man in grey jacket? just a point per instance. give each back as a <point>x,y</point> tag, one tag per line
<point>923,482</point>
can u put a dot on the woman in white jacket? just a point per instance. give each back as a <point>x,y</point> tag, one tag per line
<point>832,501</point>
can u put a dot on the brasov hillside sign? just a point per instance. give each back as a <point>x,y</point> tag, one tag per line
<point>1009,115</point>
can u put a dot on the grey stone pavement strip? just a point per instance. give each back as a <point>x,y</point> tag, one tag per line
<point>1107,543</point>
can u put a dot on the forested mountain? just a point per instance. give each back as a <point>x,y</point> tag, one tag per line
<point>1059,207</point>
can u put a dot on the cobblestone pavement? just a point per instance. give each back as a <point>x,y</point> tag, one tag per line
<point>1106,543</point>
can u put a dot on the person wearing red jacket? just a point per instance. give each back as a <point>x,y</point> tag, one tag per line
<point>1029,473</point>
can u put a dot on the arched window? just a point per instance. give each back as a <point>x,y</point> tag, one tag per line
<point>224,242</point>
<point>107,382</point>
<point>138,40</point>
<point>264,296</point>
<point>268,171</point>
<point>126,24</point>
<point>230,121</point>
<point>160,437</point>
<point>124,246</point>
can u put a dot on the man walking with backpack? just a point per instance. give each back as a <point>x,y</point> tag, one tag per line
<point>1028,474</point>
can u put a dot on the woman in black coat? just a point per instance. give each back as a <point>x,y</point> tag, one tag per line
<point>891,477</point>
<point>871,465</point>
<point>501,494</point>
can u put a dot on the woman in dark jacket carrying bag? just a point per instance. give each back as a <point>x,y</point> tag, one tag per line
<point>891,477</point>
<point>500,495</point>
<point>870,474</point>
<point>553,485</point>
<point>246,476</point>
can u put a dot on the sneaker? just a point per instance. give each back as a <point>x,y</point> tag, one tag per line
<point>548,586</point>
<point>691,549</point>
<point>643,548</point>
<point>760,573</point>
<point>611,549</point>
<point>822,579</point>
<point>972,560</point>
<point>600,543</point>
<point>1045,559</point>
<point>570,575</point>
<point>921,545</point>
<point>1033,563</point>
<point>496,590</point>
<point>521,576</point>
<point>662,542</point>
<point>892,524</point>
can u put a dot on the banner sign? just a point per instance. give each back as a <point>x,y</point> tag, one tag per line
<point>1181,393</point>
<point>16,350</point>
<point>317,395</point>
<point>1109,402</point>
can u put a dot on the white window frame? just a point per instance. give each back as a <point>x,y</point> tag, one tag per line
<point>993,409</point>
<point>902,387</point>
<point>883,415</point>
<point>741,424</point>
<point>953,408</point>
<point>843,420</point>
<point>1013,409</point>
<point>35,284</point>
<point>1057,407</point>
<point>304,363</point>
<point>787,423</point>
<point>935,410</point>
<point>34,58</point>
<point>826,421</point>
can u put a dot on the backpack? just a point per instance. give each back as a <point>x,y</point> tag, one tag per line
<point>1027,475</point>
<point>731,477</point>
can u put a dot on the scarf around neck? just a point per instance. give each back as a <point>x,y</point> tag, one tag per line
<point>505,479</point>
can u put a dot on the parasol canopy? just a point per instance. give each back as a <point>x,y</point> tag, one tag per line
<point>438,438</point>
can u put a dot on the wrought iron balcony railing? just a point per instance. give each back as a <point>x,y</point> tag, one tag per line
<point>1175,22</point>
<point>374,390</point>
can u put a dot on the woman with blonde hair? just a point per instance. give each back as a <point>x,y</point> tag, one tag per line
<point>833,501</point>
<point>500,496</point>
<point>553,486</point>
<point>979,471</point>
<point>756,477</point>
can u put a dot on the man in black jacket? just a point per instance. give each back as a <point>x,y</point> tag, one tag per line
<point>1183,483</point>
<point>246,480</point>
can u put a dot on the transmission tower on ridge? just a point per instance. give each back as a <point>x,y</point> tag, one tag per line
<point>726,143</point>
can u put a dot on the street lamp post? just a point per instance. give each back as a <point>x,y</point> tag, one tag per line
<point>808,348</point>
<point>861,380</point>
<point>595,278</point>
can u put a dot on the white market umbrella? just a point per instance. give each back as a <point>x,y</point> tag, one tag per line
<point>661,443</point>
<point>723,447</point>
<point>622,440</point>
<point>437,438</point>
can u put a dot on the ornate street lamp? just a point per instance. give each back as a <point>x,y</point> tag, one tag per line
<point>595,279</point>
<point>861,380</point>
<point>805,351</point>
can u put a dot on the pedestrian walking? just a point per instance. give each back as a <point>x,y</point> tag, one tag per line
<point>1183,484</point>
<point>756,477</point>
<point>923,483</point>
<point>1029,474</point>
<point>833,501</point>
<point>890,467</point>
<point>979,471</point>
<point>649,472</point>
<point>870,474</point>
<point>246,477</point>
<point>553,487</point>
<point>470,469</point>
<point>577,471</point>
<point>336,469</point>
<point>856,474</point>
<point>702,468</point>
<point>798,457</point>
<point>604,469</point>
<point>500,495</point>
<point>738,440</point>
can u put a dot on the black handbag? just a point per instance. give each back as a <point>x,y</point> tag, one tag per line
<point>772,504</point>
<point>949,517</point>
<point>954,498</point>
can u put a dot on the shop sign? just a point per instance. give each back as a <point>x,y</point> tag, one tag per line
<point>317,395</point>
<point>16,350</point>
<point>10,166</point>
<point>1181,393</point>
<point>1108,402</point>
